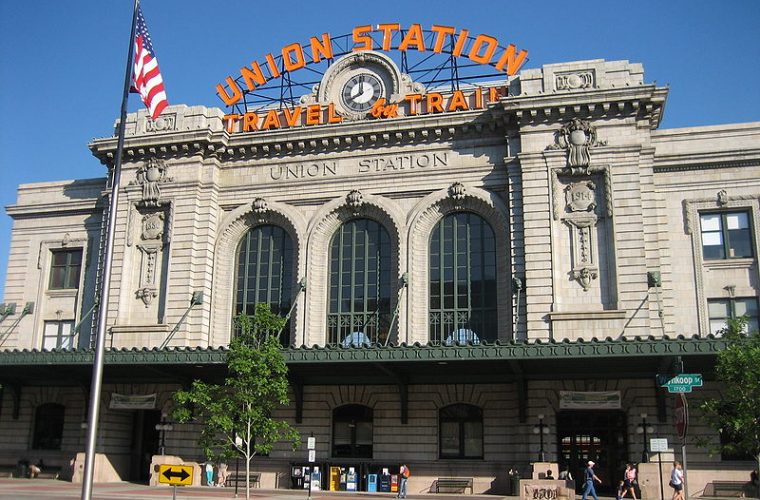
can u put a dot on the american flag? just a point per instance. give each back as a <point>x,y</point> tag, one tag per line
<point>146,77</point>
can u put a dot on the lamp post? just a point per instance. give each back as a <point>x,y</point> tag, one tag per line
<point>162,427</point>
<point>541,428</point>
<point>644,428</point>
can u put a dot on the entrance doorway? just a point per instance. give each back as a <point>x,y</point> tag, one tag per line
<point>597,435</point>
<point>144,443</point>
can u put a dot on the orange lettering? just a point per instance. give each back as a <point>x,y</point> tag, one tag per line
<point>509,60</point>
<point>434,103</point>
<point>320,50</point>
<point>253,76</point>
<point>287,57</point>
<point>478,98</point>
<point>230,121</point>
<point>483,40</point>
<point>413,100</point>
<point>440,38</point>
<point>250,122</point>
<point>413,37</point>
<point>458,101</point>
<point>271,120</point>
<point>332,116</point>
<point>313,114</point>
<point>272,66</point>
<point>360,36</point>
<point>382,110</point>
<point>460,43</point>
<point>291,115</point>
<point>388,30</point>
<point>493,94</point>
<point>237,94</point>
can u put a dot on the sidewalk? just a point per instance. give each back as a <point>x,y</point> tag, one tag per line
<point>50,488</point>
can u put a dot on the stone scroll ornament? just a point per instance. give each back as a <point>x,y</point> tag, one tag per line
<point>578,137</point>
<point>580,200</point>
<point>150,176</point>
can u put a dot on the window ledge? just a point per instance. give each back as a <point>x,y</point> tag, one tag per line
<point>64,292</point>
<point>742,263</point>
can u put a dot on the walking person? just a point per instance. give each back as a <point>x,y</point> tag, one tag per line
<point>209,473</point>
<point>404,474</point>
<point>677,480</point>
<point>590,477</point>
<point>629,481</point>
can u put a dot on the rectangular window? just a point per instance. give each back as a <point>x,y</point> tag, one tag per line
<point>721,310</point>
<point>64,269</point>
<point>58,335</point>
<point>726,235</point>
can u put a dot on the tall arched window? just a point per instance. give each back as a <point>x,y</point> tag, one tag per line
<point>460,430</point>
<point>352,431</point>
<point>360,276</point>
<point>48,427</point>
<point>462,280</point>
<point>264,271</point>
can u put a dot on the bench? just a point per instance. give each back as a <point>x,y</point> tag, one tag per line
<point>727,489</point>
<point>238,480</point>
<point>453,483</point>
<point>8,471</point>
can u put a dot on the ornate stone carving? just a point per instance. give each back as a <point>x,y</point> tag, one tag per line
<point>355,200</point>
<point>146,295</point>
<point>584,275</point>
<point>722,198</point>
<point>577,137</point>
<point>574,80</point>
<point>457,193</point>
<point>152,226</point>
<point>150,176</point>
<point>260,208</point>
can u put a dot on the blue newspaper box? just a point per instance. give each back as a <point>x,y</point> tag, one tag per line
<point>372,483</point>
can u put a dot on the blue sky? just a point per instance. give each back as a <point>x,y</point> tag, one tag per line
<point>62,63</point>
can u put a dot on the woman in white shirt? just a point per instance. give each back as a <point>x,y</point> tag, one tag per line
<point>676,481</point>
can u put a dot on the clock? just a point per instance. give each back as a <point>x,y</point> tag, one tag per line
<point>361,91</point>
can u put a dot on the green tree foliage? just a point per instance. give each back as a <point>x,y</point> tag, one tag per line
<point>737,413</point>
<point>242,406</point>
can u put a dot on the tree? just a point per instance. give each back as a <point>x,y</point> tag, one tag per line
<point>737,413</point>
<point>255,385</point>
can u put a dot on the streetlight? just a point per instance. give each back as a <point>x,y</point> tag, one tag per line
<point>162,427</point>
<point>643,428</point>
<point>541,428</point>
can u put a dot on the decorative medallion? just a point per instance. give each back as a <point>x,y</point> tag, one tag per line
<point>146,295</point>
<point>457,192</point>
<point>580,197</point>
<point>152,226</point>
<point>584,275</point>
<point>260,208</point>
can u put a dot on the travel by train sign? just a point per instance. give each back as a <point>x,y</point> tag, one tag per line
<point>271,93</point>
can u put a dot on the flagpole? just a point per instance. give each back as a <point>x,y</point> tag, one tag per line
<point>97,368</point>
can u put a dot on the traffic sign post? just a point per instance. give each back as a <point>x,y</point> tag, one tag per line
<point>174,475</point>
<point>311,445</point>
<point>681,417</point>
<point>659,445</point>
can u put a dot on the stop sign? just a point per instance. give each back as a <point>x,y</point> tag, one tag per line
<point>681,416</point>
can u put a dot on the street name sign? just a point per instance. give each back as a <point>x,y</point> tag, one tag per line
<point>178,475</point>
<point>683,382</point>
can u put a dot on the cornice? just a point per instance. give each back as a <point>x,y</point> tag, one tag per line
<point>222,145</point>
<point>69,207</point>
<point>417,353</point>
<point>680,162</point>
<point>643,101</point>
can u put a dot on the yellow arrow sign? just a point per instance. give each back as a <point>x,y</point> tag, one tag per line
<point>181,475</point>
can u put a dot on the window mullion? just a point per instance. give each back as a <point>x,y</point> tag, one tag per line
<point>366,280</point>
<point>270,278</point>
<point>246,273</point>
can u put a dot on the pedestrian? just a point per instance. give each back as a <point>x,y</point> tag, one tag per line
<point>590,477</point>
<point>404,472</point>
<point>677,481</point>
<point>549,475</point>
<point>209,473</point>
<point>629,481</point>
<point>221,475</point>
<point>565,474</point>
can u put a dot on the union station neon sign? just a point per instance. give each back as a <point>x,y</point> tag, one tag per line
<point>481,49</point>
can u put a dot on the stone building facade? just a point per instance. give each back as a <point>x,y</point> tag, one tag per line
<point>456,280</point>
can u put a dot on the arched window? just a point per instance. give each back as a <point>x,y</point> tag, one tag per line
<point>360,276</point>
<point>352,431</point>
<point>462,280</point>
<point>48,427</point>
<point>460,428</point>
<point>265,271</point>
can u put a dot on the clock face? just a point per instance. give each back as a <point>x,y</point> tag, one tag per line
<point>361,91</point>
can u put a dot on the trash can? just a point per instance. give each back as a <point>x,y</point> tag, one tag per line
<point>514,484</point>
<point>22,468</point>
